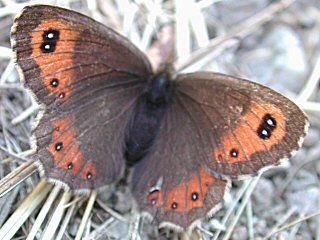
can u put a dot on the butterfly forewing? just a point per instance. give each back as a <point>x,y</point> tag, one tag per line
<point>253,126</point>
<point>88,77</point>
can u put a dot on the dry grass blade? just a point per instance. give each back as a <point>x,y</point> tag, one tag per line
<point>291,224</point>
<point>56,217</point>
<point>17,176</point>
<point>6,53</point>
<point>24,210</point>
<point>112,212</point>
<point>86,215</point>
<point>228,213</point>
<point>250,220</point>
<point>7,71</point>
<point>25,114</point>
<point>294,171</point>
<point>311,84</point>
<point>65,221</point>
<point>13,156</point>
<point>318,228</point>
<point>243,29</point>
<point>43,213</point>
<point>247,195</point>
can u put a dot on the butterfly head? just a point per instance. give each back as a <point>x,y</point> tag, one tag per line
<point>160,88</point>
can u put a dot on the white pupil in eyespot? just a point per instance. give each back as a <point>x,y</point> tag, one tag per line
<point>50,35</point>
<point>270,122</point>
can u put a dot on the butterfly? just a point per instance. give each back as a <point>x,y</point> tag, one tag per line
<point>103,108</point>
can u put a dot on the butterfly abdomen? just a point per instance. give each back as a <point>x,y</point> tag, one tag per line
<point>149,111</point>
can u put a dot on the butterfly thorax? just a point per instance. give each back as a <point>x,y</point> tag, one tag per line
<point>150,109</point>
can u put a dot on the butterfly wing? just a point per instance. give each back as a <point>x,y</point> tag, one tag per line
<point>250,126</point>
<point>88,78</point>
<point>217,126</point>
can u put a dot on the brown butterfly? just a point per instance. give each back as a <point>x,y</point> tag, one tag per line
<point>186,137</point>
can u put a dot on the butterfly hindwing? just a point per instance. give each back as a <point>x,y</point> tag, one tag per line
<point>171,183</point>
<point>88,78</point>
<point>217,128</point>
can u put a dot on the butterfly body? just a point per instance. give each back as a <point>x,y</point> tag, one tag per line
<point>102,107</point>
<point>146,120</point>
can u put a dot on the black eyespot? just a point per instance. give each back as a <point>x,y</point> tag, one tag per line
<point>51,34</point>
<point>59,146</point>
<point>89,175</point>
<point>174,205</point>
<point>270,121</point>
<point>268,124</point>
<point>57,129</point>
<point>54,82</point>
<point>194,196</point>
<point>234,153</point>
<point>220,157</point>
<point>62,95</point>
<point>70,166</point>
<point>154,201</point>
<point>264,133</point>
<point>47,47</point>
<point>50,38</point>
